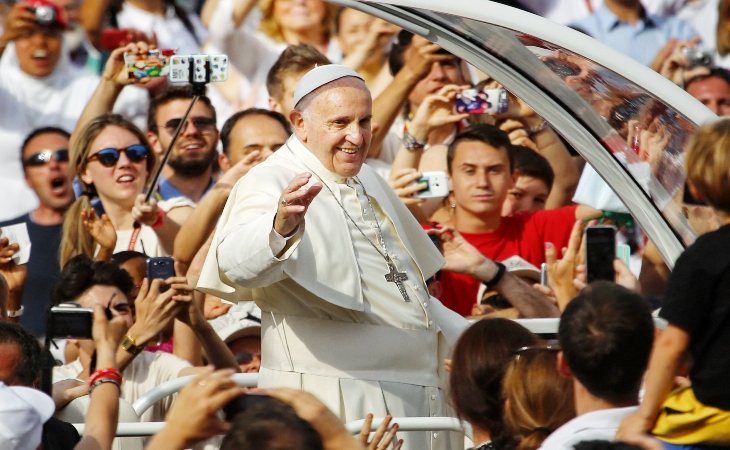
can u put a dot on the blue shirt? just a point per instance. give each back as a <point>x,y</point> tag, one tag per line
<point>643,40</point>
<point>166,190</point>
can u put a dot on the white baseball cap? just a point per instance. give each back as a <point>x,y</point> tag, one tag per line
<point>23,411</point>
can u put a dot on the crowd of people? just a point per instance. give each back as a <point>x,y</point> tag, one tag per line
<point>287,222</point>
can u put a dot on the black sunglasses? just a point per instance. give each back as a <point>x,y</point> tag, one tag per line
<point>245,357</point>
<point>204,124</point>
<point>41,158</point>
<point>108,157</point>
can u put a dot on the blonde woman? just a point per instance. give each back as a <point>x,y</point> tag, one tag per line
<point>537,399</point>
<point>113,161</point>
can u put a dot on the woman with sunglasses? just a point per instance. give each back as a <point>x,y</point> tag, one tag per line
<point>478,364</point>
<point>113,161</point>
<point>537,398</point>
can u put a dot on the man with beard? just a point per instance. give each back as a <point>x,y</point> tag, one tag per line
<point>190,168</point>
<point>45,164</point>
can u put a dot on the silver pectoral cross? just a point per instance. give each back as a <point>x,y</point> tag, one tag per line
<point>393,276</point>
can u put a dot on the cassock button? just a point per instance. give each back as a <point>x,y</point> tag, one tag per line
<point>425,304</point>
<point>430,323</point>
<point>433,396</point>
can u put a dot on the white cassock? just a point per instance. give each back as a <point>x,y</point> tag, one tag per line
<point>331,324</point>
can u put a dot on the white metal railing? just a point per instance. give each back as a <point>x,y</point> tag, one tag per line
<point>135,429</point>
<point>170,387</point>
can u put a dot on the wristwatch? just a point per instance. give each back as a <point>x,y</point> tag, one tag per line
<point>501,269</point>
<point>129,344</point>
<point>15,313</point>
<point>412,144</point>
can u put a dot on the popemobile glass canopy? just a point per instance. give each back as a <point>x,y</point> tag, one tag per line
<point>593,96</point>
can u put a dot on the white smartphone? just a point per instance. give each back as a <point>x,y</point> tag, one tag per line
<point>437,185</point>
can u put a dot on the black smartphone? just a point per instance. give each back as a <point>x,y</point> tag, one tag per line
<point>70,321</point>
<point>162,267</point>
<point>600,252</point>
<point>689,199</point>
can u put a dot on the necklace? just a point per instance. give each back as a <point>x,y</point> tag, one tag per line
<point>393,276</point>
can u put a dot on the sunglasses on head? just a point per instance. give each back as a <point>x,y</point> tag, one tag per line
<point>201,123</point>
<point>552,347</point>
<point>108,157</point>
<point>41,158</point>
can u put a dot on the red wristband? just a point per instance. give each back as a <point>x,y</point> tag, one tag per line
<point>112,374</point>
<point>160,219</point>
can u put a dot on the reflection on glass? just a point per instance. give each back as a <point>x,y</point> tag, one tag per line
<point>646,135</point>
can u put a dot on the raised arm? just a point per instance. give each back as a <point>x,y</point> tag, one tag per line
<point>463,257</point>
<point>101,418</point>
<point>112,81</point>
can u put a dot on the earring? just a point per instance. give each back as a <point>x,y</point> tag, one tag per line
<point>453,205</point>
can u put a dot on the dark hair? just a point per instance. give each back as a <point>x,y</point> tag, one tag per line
<point>233,120</point>
<point>527,162</point>
<point>482,132</point>
<point>606,334</point>
<point>168,95</point>
<point>44,130</point>
<point>295,59</point>
<point>478,365</point>
<point>396,57</point>
<point>120,258</point>
<point>271,425</point>
<point>715,72</point>
<point>81,273</point>
<point>28,370</point>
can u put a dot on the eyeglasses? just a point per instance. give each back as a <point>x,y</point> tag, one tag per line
<point>553,347</point>
<point>246,357</point>
<point>204,124</point>
<point>41,158</point>
<point>108,157</point>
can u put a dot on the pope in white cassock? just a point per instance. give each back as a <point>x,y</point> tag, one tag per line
<point>337,265</point>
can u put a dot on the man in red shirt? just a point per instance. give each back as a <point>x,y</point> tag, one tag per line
<point>480,168</point>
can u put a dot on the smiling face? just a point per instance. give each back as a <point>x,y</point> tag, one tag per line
<point>38,50</point>
<point>50,181</point>
<point>195,148</point>
<point>528,194</point>
<point>480,178</point>
<point>299,15</point>
<point>125,180</point>
<point>335,125</point>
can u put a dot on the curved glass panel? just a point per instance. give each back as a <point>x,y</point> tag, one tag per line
<point>646,135</point>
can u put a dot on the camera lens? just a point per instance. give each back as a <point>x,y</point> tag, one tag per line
<point>45,15</point>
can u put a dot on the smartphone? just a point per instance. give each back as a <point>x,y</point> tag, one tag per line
<point>485,101</point>
<point>161,267</point>
<point>198,68</point>
<point>543,275</point>
<point>437,185</point>
<point>600,252</point>
<point>154,63</point>
<point>69,320</point>
<point>689,199</point>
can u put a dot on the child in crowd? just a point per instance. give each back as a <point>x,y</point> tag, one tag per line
<point>697,307</point>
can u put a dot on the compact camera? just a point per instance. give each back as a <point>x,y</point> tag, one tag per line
<point>69,320</point>
<point>697,56</point>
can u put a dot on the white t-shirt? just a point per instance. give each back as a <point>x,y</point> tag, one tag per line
<point>595,425</point>
<point>28,103</point>
<point>146,371</point>
<point>168,29</point>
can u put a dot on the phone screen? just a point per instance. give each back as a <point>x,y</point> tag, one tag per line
<point>600,252</point>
